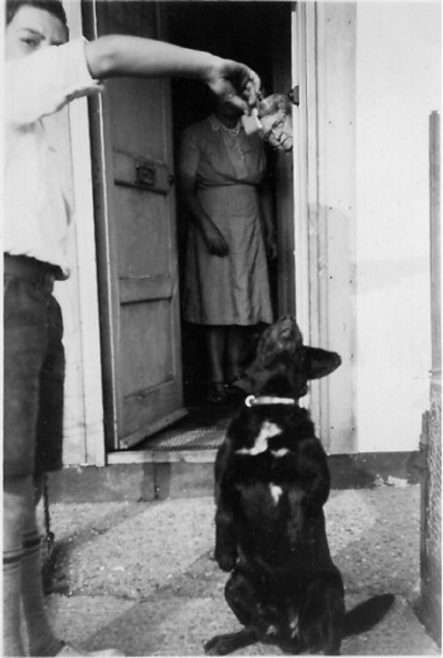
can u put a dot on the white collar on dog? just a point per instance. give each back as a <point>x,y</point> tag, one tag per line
<point>252,401</point>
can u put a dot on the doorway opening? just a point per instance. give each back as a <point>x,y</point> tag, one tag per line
<point>258,34</point>
<point>143,370</point>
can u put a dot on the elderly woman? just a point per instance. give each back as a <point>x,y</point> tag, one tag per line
<point>275,115</point>
<point>222,173</point>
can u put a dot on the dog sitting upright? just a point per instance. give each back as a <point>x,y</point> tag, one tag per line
<point>272,480</point>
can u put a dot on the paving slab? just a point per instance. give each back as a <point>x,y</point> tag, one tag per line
<point>141,576</point>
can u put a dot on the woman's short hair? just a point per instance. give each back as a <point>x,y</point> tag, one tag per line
<point>54,7</point>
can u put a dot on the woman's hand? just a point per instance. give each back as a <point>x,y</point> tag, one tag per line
<point>267,220</point>
<point>271,246</point>
<point>215,241</point>
<point>234,82</point>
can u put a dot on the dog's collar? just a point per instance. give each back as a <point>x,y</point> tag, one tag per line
<point>252,401</point>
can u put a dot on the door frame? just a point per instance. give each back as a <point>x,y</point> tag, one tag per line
<point>306,201</point>
<point>305,185</point>
<point>284,79</point>
<point>103,181</point>
<point>84,441</point>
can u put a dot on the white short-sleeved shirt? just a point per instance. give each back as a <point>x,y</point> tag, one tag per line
<point>37,211</point>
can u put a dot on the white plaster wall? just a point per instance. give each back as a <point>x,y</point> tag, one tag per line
<point>398,77</point>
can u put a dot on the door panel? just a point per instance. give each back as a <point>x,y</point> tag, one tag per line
<point>137,243</point>
<point>147,379</point>
<point>143,234</point>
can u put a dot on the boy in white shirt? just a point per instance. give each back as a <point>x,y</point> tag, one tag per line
<point>42,74</point>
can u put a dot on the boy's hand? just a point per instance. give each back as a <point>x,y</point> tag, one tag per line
<point>236,83</point>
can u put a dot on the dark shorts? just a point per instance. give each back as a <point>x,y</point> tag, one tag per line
<point>34,370</point>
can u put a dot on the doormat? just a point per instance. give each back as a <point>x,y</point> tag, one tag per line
<point>196,439</point>
<point>202,429</point>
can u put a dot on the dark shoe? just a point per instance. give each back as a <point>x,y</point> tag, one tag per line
<point>240,387</point>
<point>216,393</point>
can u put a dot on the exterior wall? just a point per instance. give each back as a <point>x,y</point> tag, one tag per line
<point>83,417</point>
<point>398,85</point>
<point>377,78</point>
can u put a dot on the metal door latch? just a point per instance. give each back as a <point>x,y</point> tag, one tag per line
<point>145,175</point>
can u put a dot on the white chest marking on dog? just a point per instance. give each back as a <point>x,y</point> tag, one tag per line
<point>267,431</point>
<point>293,625</point>
<point>281,452</point>
<point>276,492</point>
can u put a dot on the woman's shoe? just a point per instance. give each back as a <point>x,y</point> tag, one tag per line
<point>216,393</point>
<point>240,387</point>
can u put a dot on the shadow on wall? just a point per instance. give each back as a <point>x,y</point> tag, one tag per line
<point>375,275</point>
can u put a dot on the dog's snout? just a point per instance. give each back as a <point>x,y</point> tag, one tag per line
<point>288,329</point>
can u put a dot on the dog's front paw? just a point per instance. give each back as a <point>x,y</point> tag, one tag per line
<point>226,561</point>
<point>220,645</point>
<point>217,646</point>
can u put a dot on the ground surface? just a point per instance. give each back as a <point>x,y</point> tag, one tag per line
<point>140,576</point>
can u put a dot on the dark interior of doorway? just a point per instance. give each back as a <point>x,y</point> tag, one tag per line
<point>247,32</point>
<point>258,34</point>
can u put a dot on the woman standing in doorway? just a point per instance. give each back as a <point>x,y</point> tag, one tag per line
<point>222,174</point>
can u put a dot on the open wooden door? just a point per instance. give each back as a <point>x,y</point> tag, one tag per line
<point>135,224</point>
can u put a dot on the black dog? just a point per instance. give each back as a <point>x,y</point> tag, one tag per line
<point>272,480</point>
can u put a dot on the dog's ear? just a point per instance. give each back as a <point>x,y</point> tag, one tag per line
<point>320,363</point>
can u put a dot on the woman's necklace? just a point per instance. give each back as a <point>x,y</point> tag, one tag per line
<point>232,131</point>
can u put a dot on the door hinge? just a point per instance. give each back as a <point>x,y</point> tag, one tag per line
<point>294,95</point>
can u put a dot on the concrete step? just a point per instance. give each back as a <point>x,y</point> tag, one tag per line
<point>147,475</point>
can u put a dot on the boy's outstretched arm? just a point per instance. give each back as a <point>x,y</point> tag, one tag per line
<point>120,55</point>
